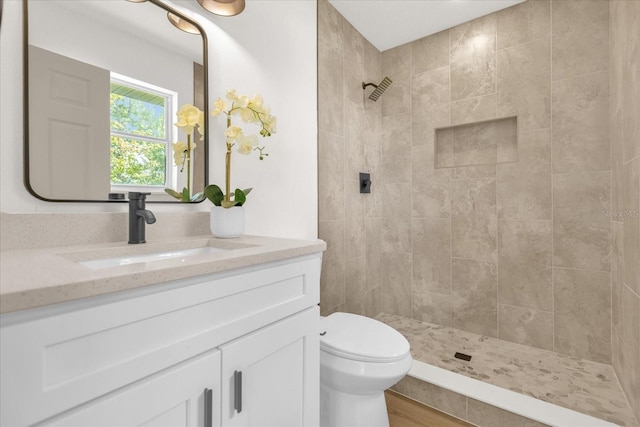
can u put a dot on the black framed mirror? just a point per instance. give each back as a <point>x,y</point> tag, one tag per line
<point>103,81</point>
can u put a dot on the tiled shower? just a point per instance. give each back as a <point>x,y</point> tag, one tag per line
<point>540,247</point>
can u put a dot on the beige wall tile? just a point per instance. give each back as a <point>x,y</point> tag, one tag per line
<point>524,187</point>
<point>430,188</point>
<point>432,307</point>
<point>330,176</point>
<point>617,155</point>
<point>373,206</point>
<point>396,217</point>
<point>444,147</point>
<point>525,326</point>
<point>355,235</point>
<point>617,274</point>
<point>373,227</point>
<point>470,172</point>
<point>353,140</point>
<point>631,82</point>
<point>396,287</point>
<point>472,49</point>
<point>332,283</point>
<point>429,90</point>
<point>580,37</point>
<point>353,62</point>
<point>396,199</point>
<point>423,131</point>
<point>372,123</point>
<point>355,277</point>
<point>474,289</point>
<point>431,255</point>
<point>330,76</point>
<point>524,22</point>
<point>430,52</point>
<point>630,378</point>
<point>372,66</point>
<point>395,148</point>
<point>473,219</point>
<point>583,313</point>
<point>581,227</point>
<point>473,109</point>
<point>618,65</point>
<point>631,224</point>
<point>524,257</point>
<point>524,86</point>
<point>617,355</point>
<point>372,303</point>
<point>485,415</point>
<point>581,124</point>
<point>396,64</point>
<point>396,234</point>
<point>444,400</point>
<point>626,367</point>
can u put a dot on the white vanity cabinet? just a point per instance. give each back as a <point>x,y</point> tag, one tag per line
<point>267,373</point>
<point>183,396</point>
<point>171,354</point>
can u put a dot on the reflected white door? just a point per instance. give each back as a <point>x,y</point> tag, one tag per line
<point>68,127</point>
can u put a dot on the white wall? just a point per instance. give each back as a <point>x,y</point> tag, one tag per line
<point>271,49</point>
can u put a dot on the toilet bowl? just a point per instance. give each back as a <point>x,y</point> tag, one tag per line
<point>359,359</point>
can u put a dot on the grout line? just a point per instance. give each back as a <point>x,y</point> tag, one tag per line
<point>581,269</point>
<point>578,76</point>
<point>553,278</point>
<point>527,42</point>
<point>451,316</point>
<point>524,308</point>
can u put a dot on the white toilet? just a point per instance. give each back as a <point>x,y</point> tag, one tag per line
<point>359,359</point>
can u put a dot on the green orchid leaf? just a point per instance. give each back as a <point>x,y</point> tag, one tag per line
<point>214,194</point>
<point>240,197</point>
<point>186,197</point>
<point>246,191</point>
<point>228,204</point>
<point>173,193</point>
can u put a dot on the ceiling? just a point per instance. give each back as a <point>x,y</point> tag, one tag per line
<point>390,23</point>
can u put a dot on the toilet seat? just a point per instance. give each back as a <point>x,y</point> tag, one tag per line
<point>360,338</point>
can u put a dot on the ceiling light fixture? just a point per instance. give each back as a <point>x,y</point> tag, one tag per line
<point>182,24</point>
<point>223,7</point>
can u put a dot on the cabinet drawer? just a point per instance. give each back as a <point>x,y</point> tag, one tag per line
<point>174,397</point>
<point>61,359</point>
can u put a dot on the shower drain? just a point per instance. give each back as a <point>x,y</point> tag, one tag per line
<point>462,356</point>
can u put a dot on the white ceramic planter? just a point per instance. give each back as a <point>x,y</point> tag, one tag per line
<point>227,223</point>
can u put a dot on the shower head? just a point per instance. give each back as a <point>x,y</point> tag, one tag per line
<point>379,88</point>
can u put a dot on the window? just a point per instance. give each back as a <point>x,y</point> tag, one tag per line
<point>141,135</point>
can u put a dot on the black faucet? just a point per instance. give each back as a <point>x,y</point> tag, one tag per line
<point>138,215</point>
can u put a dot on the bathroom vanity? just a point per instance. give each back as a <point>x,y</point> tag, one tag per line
<point>212,338</point>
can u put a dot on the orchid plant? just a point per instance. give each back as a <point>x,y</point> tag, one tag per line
<point>189,117</point>
<point>249,111</point>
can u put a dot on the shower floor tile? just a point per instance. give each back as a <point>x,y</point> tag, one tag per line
<point>584,386</point>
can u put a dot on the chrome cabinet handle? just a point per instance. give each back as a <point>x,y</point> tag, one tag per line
<point>208,407</point>
<point>237,382</point>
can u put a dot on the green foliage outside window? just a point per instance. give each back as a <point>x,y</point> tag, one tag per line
<point>137,161</point>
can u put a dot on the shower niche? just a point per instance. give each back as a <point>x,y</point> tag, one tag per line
<point>480,143</point>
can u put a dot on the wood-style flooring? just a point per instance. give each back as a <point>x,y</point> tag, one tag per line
<point>404,412</point>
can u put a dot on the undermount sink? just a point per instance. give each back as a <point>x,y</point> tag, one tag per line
<point>150,257</point>
<point>121,255</point>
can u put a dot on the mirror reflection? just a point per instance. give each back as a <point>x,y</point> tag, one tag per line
<point>105,80</point>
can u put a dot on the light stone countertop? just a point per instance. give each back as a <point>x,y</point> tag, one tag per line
<point>32,278</point>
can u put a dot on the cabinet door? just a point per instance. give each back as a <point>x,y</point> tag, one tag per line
<point>270,378</point>
<point>185,395</point>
